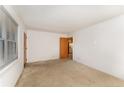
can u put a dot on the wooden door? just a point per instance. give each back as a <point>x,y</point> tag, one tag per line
<point>64,48</point>
<point>25,48</point>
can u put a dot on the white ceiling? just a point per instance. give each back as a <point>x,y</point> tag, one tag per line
<point>65,18</point>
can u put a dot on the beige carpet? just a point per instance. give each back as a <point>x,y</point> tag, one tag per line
<point>63,73</point>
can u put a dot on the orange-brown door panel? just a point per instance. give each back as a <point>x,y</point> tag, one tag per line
<point>25,48</point>
<point>64,48</point>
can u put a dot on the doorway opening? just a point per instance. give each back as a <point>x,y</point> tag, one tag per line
<point>70,51</point>
<point>66,48</point>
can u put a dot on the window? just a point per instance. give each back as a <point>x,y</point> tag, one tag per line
<point>1,53</point>
<point>8,38</point>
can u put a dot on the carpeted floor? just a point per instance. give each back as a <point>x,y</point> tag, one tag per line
<point>64,73</point>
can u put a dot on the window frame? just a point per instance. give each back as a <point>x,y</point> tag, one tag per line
<point>6,40</point>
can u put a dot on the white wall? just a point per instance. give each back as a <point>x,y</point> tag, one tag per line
<point>10,74</point>
<point>42,45</point>
<point>101,46</point>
